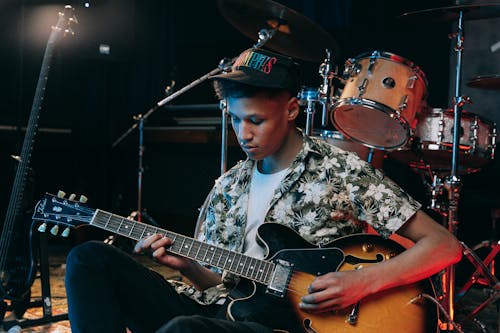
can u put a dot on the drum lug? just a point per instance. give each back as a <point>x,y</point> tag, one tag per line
<point>473,134</point>
<point>493,141</point>
<point>411,81</point>
<point>362,87</point>
<point>373,60</point>
<point>352,68</point>
<point>403,104</point>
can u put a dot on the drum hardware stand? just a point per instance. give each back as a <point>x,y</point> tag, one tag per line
<point>485,270</point>
<point>309,96</point>
<point>452,183</point>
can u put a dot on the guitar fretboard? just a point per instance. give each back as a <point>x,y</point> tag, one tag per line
<point>248,267</point>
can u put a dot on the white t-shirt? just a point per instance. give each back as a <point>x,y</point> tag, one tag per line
<point>262,187</point>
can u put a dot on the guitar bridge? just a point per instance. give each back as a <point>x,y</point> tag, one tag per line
<point>280,278</point>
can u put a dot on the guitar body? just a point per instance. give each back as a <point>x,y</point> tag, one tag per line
<point>391,311</point>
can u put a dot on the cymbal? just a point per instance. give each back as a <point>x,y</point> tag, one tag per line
<point>470,12</point>
<point>296,35</point>
<point>491,82</point>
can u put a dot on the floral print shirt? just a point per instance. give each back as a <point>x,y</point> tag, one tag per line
<point>321,180</point>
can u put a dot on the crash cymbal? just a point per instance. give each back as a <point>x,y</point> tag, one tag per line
<point>470,12</point>
<point>490,82</point>
<point>296,35</point>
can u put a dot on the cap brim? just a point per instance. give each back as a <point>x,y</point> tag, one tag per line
<point>255,79</point>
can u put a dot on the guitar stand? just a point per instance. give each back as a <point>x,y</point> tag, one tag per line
<point>45,301</point>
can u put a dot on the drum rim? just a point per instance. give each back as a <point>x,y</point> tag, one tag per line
<point>395,58</point>
<point>375,106</point>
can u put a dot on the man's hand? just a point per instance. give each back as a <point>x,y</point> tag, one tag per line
<point>158,244</point>
<point>334,291</point>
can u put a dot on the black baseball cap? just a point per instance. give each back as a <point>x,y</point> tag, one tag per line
<point>263,68</point>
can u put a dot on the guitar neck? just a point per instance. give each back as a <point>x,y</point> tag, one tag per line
<point>245,266</point>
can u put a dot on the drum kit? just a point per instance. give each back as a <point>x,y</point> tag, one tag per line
<point>381,109</point>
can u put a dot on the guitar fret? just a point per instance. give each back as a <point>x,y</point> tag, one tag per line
<point>112,224</point>
<point>143,231</point>
<point>238,264</point>
<point>250,269</point>
<point>243,265</point>
<point>269,269</point>
<point>189,248</point>
<point>219,254</point>
<point>225,262</point>
<point>107,222</point>
<point>120,225</point>
<point>231,262</point>
<point>260,271</point>
<point>182,245</point>
<point>213,254</point>
<point>218,260</point>
<point>131,225</point>
<point>197,252</point>
<point>138,234</point>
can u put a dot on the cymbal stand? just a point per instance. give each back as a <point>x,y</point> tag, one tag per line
<point>453,183</point>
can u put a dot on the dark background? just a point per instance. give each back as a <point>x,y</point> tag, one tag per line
<point>93,97</point>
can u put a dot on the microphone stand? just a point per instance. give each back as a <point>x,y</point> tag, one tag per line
<point>139,124</point>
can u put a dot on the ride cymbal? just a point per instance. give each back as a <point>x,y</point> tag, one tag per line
<point>470,12</point>
<point>296,35</point>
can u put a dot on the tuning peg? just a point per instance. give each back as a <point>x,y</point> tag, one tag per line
<point>61,194</point>
<point>42,227</point>
<point>54,230</point>
<point>72,196</point>
<point>65,232</point>
<point>83,199</point>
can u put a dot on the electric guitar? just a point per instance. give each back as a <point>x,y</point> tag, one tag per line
<point>271,289</point>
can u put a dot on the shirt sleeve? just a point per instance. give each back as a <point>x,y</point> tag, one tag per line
<point>378,200</point>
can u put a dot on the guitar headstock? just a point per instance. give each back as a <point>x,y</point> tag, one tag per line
<point>61,211</point>
<point>63,26</point>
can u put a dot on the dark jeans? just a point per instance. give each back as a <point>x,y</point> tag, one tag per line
<point>108,290</point>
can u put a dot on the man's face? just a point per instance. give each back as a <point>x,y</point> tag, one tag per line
<point>261,123</point>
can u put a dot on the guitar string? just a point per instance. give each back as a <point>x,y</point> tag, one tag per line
<point>91,211</point>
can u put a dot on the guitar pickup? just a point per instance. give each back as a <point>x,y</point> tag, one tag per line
<point>280,279</point>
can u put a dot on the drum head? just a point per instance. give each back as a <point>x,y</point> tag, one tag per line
<point>370,123</point>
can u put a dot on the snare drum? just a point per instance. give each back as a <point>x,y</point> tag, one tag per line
<point>382,94</point>
<point>337,139</point>
<point>433,141</point>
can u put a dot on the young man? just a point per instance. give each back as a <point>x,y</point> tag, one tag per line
<point>317,190</point>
